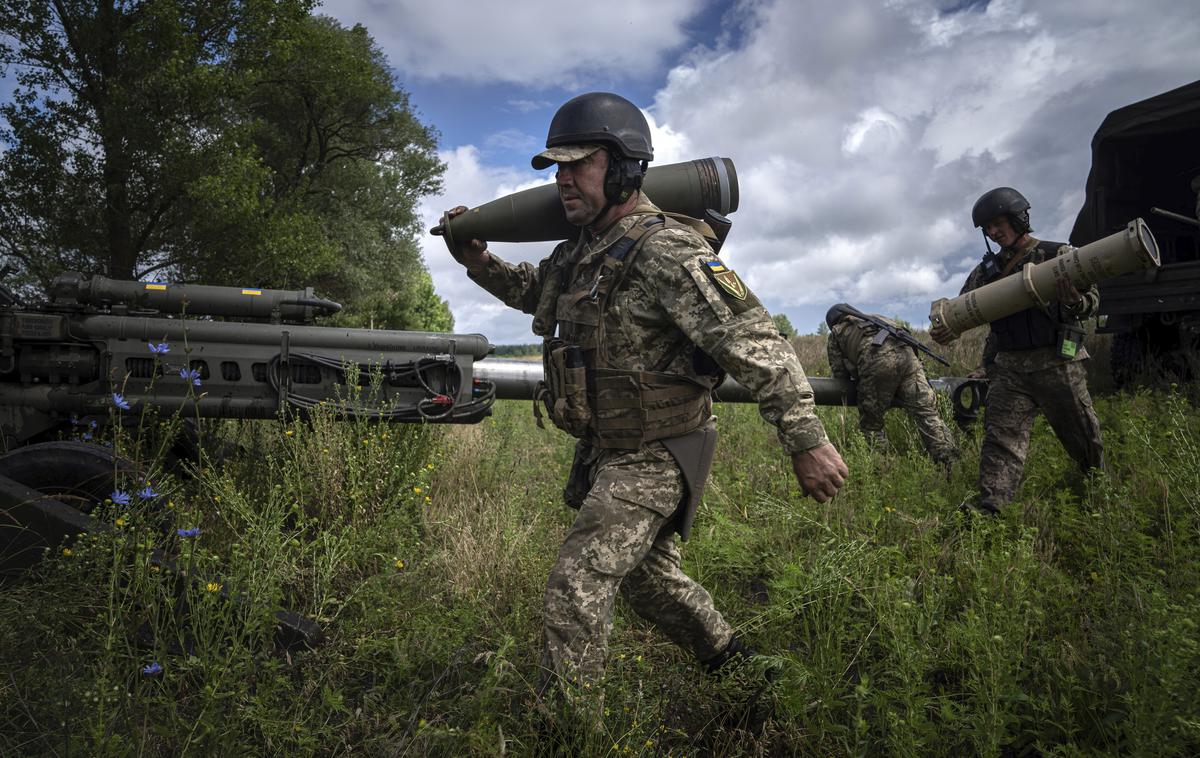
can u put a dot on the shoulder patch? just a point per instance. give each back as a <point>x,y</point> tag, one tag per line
<point>726,279</point>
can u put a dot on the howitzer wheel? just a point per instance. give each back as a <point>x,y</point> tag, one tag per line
<point>75,473</point>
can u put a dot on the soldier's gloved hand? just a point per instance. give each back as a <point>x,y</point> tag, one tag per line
<point>941,334</point>
<point>820,471</point>
<point>471,253</point>
<point>1068,295</point>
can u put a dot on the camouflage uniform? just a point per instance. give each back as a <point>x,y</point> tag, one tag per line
<point>1023,381</point>
<point>887,375</point>
<point>667,310</point>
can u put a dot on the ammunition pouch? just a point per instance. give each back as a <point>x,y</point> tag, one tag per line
<point>564,391</point>
<point>636,407</point>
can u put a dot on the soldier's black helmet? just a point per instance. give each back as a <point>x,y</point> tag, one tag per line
<point>607,120</point>
<point>599,118</point>
<point>836,314</point>
<point>1002,201</point>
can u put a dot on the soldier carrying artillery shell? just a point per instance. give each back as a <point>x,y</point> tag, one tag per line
<point>1034,359</point>
<point>640,320</point>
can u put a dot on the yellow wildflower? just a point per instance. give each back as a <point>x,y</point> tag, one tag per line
<point>289,433</point>
<point>399,563</point>
<point>428,499</point>
<point>67,551</point>
<point>429,466</point>
<point>417,490</point>
<point>120,521</point>
<point>212,587</point>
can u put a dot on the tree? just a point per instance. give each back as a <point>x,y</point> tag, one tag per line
<point>230,141</point>
<point>822,329</point>
<point>784,325</point>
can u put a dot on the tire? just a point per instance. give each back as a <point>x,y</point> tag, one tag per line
<point>75,473</point>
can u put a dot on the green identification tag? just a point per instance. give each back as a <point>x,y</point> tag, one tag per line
<point>1068,348</point>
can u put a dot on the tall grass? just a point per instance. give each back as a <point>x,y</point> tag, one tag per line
<point>1067,626</point>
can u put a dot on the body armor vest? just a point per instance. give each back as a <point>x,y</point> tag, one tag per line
<point>583,393</point>
<point>1033,327</point>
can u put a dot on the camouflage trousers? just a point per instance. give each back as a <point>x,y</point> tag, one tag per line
<point>618,543</point>
<point>890,376</point>
<point>1014,399</point>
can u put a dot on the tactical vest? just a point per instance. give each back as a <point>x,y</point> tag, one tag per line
<point>583,393</point>
<point>1033,327</point>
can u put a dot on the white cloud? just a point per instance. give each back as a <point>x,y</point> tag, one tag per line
<point>471,182</point>
<point>864,132</point>
<point>540,42</point>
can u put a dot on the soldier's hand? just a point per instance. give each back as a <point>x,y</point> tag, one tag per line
<point>820,471</point>
<point>471,253</point>
<point>1068,295</point>
<point>941,334</point>
<point>978,373</point>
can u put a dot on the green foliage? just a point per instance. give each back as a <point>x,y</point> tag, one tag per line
<point>822,329</point>
<point>784,325</point>
<point>1067,626</point>
<point>241,142</point>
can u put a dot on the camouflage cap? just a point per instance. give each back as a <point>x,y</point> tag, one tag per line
<point>563,154</point>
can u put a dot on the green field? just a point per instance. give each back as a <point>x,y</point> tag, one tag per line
<point>1069,626</point>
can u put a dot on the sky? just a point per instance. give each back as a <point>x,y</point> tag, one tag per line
<point>862,132</point>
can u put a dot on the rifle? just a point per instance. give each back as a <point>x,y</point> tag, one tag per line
<point>886,329</point>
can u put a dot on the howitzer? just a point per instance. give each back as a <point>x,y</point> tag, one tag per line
<point>517,380</point>
<point>201,352</point>
<point>158,346</point>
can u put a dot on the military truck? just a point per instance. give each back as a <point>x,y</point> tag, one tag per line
<point>1146,162</point>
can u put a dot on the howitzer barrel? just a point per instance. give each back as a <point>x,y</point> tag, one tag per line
<point>536,214</point>
<point>516,380</point>
<point>192,299</point>
<point>1128,250</point>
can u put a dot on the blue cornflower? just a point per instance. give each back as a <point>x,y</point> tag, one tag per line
<point>159,348</point>
<point>120,497</point>
<point>120,401</point>
<point>92,423</point>
<point>151,669</point>
<point>190,375</point>
<point>195,530</point>
<point>147,493</point>
<point>75,420</point>
<point>87,435</point>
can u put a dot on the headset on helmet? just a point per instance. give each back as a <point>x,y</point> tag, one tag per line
<point>609,120</point>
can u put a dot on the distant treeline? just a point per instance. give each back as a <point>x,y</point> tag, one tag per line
<point>521,350</point>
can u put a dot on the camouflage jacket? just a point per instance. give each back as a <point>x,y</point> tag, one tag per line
<point>668,308</point>
<point>1035,359</point>
<point>848,343</point>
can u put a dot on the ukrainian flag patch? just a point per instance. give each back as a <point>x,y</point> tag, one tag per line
<point>155,286</point>
<point>251,292</point>
<point>727,280</point>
